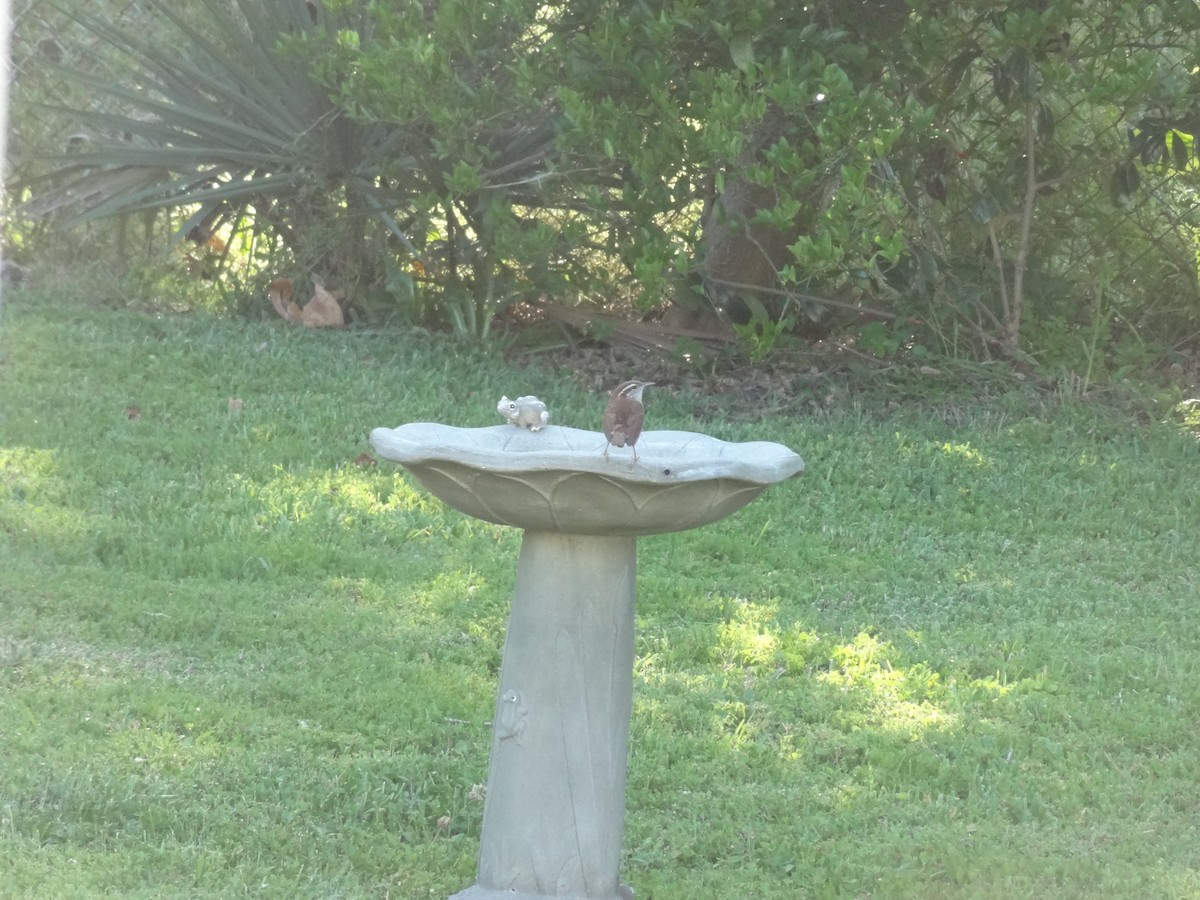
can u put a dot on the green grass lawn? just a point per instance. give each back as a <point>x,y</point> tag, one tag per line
<point>959,657</point>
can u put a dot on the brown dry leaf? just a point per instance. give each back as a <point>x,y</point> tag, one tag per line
<point>133,413</point>
<point>280,292</point>
<point>236,404</point>
<point>364,460</point>
<point>323,310</point>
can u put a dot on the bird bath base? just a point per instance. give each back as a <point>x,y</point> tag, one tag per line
<point>554,811</point>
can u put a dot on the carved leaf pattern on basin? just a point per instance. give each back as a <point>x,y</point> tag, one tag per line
<point>558,479</point>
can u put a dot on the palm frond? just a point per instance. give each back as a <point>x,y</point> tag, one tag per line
<point>227,113</point>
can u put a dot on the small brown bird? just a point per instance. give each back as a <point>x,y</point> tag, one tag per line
<point>624,415</point>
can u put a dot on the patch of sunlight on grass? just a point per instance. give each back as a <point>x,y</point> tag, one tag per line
<point>902,699</point>
<point>80,663</point>
<point>458,602</point>
<point>965,574</point>
<point>28,476</point>
<point>1187,415</point>
<point>968,575</point>
<point>162,747</point>
<point>859,660</point>
<point>676,683</point>
<point>46,523</point>
<point>746,644</point>
<point>1000,684</point>
<point>357,591</point>
<point>958,451</point>
<point>751,637</point>
<point>347,497</point>
<point>23,468</point>
<point>734,723</point>
<point>30,496</point>
<point>1173,881</point>
<point>965,452</point>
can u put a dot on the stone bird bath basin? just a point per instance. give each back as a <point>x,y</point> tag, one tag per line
<point>554,810</point>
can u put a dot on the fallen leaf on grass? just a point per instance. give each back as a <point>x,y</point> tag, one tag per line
<point>236,404</point>
<point>133,413</point>
<point>279,292</point>
<point>322,311</point>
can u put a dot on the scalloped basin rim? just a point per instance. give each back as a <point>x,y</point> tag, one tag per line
<point>558,480</point>
<point>664,457</point>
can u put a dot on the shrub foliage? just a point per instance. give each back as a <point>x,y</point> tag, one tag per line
<point>983,178</point>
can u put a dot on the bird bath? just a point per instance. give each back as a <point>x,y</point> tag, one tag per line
<point>554,810</point>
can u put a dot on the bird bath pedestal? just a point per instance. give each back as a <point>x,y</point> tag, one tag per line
<point>555,804</point>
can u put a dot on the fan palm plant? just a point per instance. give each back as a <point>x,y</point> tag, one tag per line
<point>225,121</point>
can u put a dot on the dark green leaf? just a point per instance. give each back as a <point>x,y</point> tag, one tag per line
<point>1125,182</point>
<point>1180,150</point>
<point>1045,122</point>
<point>1023,73</point>
<point>1002,83</point>
<point>1153,146</point>
<point>958,67</point>
<point>741,48</point>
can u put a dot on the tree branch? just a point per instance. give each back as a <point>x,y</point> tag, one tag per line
<point>1012,336</point>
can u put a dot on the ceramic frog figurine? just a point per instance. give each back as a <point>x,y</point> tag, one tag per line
<point>524,412</point>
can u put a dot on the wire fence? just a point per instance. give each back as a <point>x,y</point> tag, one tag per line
<point>46,43</point>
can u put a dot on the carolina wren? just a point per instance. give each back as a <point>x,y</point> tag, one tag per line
<point>624,415</point>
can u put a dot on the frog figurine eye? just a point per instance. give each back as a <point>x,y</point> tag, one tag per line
<point>508,409</point>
